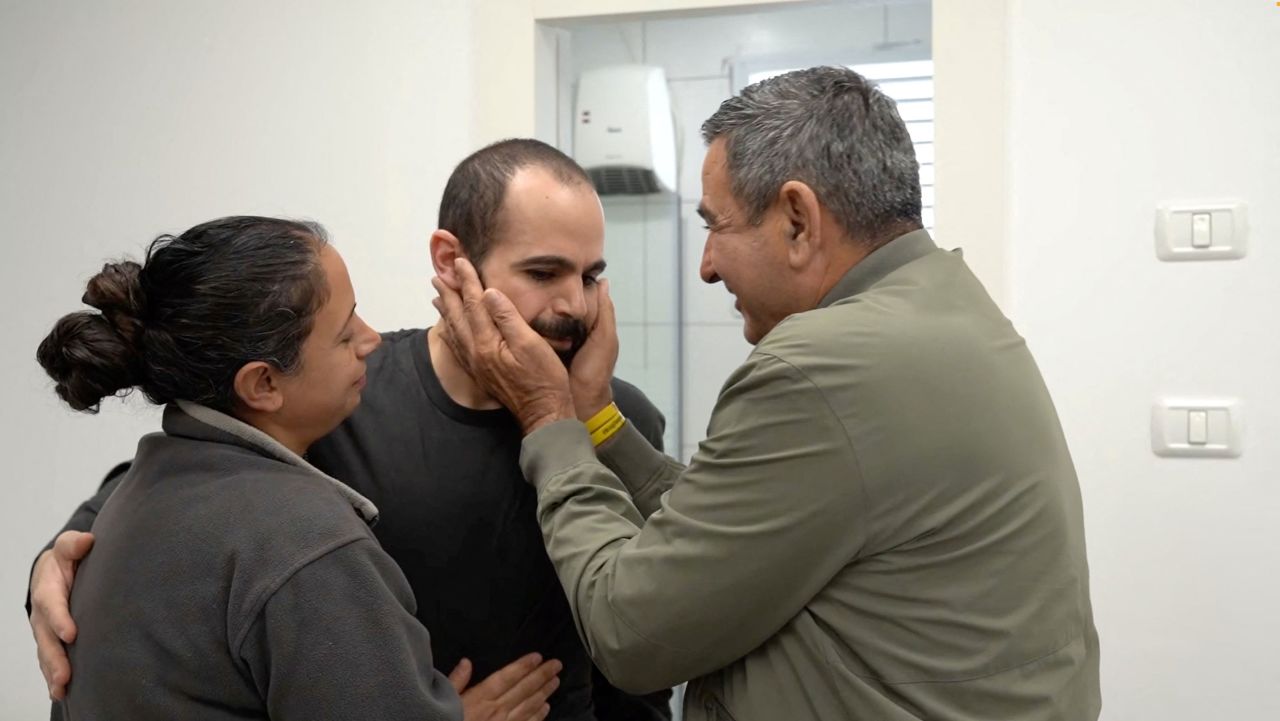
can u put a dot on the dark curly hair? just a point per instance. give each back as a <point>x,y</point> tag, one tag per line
<point>201,305</point>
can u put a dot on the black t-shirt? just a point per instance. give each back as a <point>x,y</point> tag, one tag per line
<point>458,517</point>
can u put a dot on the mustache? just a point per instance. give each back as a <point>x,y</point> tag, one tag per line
<point>573,329</point>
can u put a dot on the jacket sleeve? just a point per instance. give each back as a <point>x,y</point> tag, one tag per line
<point>338,640</point>
<point>643,436</point>
<point>768,511</point>
<point>609,701</point>
<point>644,470</point>
<point>83,517</point>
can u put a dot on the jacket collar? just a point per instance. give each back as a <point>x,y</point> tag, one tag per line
<point>880,263</point>
<point>192,420</point>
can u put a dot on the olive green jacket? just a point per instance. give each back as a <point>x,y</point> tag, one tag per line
<point>883,522</point>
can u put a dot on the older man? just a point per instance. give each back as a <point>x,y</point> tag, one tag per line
<point>883,522</point>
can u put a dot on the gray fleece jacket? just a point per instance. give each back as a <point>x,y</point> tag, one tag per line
<point>230,579</point>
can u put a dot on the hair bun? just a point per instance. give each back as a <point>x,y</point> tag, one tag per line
<point>117,292</point>
<point>88,359</point>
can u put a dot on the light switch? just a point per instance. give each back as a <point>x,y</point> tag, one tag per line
<point>1201,230</point>
<point>1197,427</point>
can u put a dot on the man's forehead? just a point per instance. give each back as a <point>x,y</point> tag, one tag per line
<point>715,182</point>
<point>717,158</point>
<point>532,184</point>
<point>558,205</point>
<point>716,208</point>
<point>529,242</point>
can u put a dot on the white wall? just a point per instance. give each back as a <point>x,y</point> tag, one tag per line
<point>698,55</point>
<point>1115,107</point>
<point>121,120</point>
<point>971,165</point>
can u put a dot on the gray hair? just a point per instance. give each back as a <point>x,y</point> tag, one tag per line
<point>834,131</point>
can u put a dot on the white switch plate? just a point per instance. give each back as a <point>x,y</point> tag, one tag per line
<point>1173,423</point>
<point>1176,237</point>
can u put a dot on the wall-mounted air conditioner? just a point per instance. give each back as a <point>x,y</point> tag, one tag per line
<point>624,135</point>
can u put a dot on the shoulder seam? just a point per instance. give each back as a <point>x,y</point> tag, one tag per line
<point>257,604</point>
<point>864,508</point>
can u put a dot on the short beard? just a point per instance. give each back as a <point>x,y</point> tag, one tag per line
<point>572,328</point>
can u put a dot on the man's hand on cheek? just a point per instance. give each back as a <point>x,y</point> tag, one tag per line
<point>592,368</point>
<point>499,349</point>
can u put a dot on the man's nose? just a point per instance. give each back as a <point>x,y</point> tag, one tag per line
<point>707,269</point>
<point>572,301</point>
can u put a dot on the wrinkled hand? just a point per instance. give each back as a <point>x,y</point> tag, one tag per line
<point>51,622</point>
<point>501,352</point>
<point>592,367</point>
<point>515,692</point>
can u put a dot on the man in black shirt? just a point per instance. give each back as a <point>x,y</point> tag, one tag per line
<point>439,457</point>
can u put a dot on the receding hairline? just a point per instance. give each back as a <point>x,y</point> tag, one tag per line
<point>563,180</point>
<point>478,187</point>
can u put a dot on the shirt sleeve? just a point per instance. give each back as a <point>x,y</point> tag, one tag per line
<point>768,511</point>
<point>338,640</point>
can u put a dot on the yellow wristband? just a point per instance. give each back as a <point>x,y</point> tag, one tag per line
<point>605,424</point>
<point>609,430</point>
<point>602,417</point>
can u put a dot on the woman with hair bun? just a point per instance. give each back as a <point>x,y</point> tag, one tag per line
<point>230,579</point>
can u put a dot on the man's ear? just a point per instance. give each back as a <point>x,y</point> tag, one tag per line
<point>801,216</point>
<point>446,248</point>
<point>257,385</point>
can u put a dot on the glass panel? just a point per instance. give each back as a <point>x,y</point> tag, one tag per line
<point>895,71</point>
<point>766,74</point>
<point>911,110</point>
<point>921,132</point>
<point>908,89</point>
